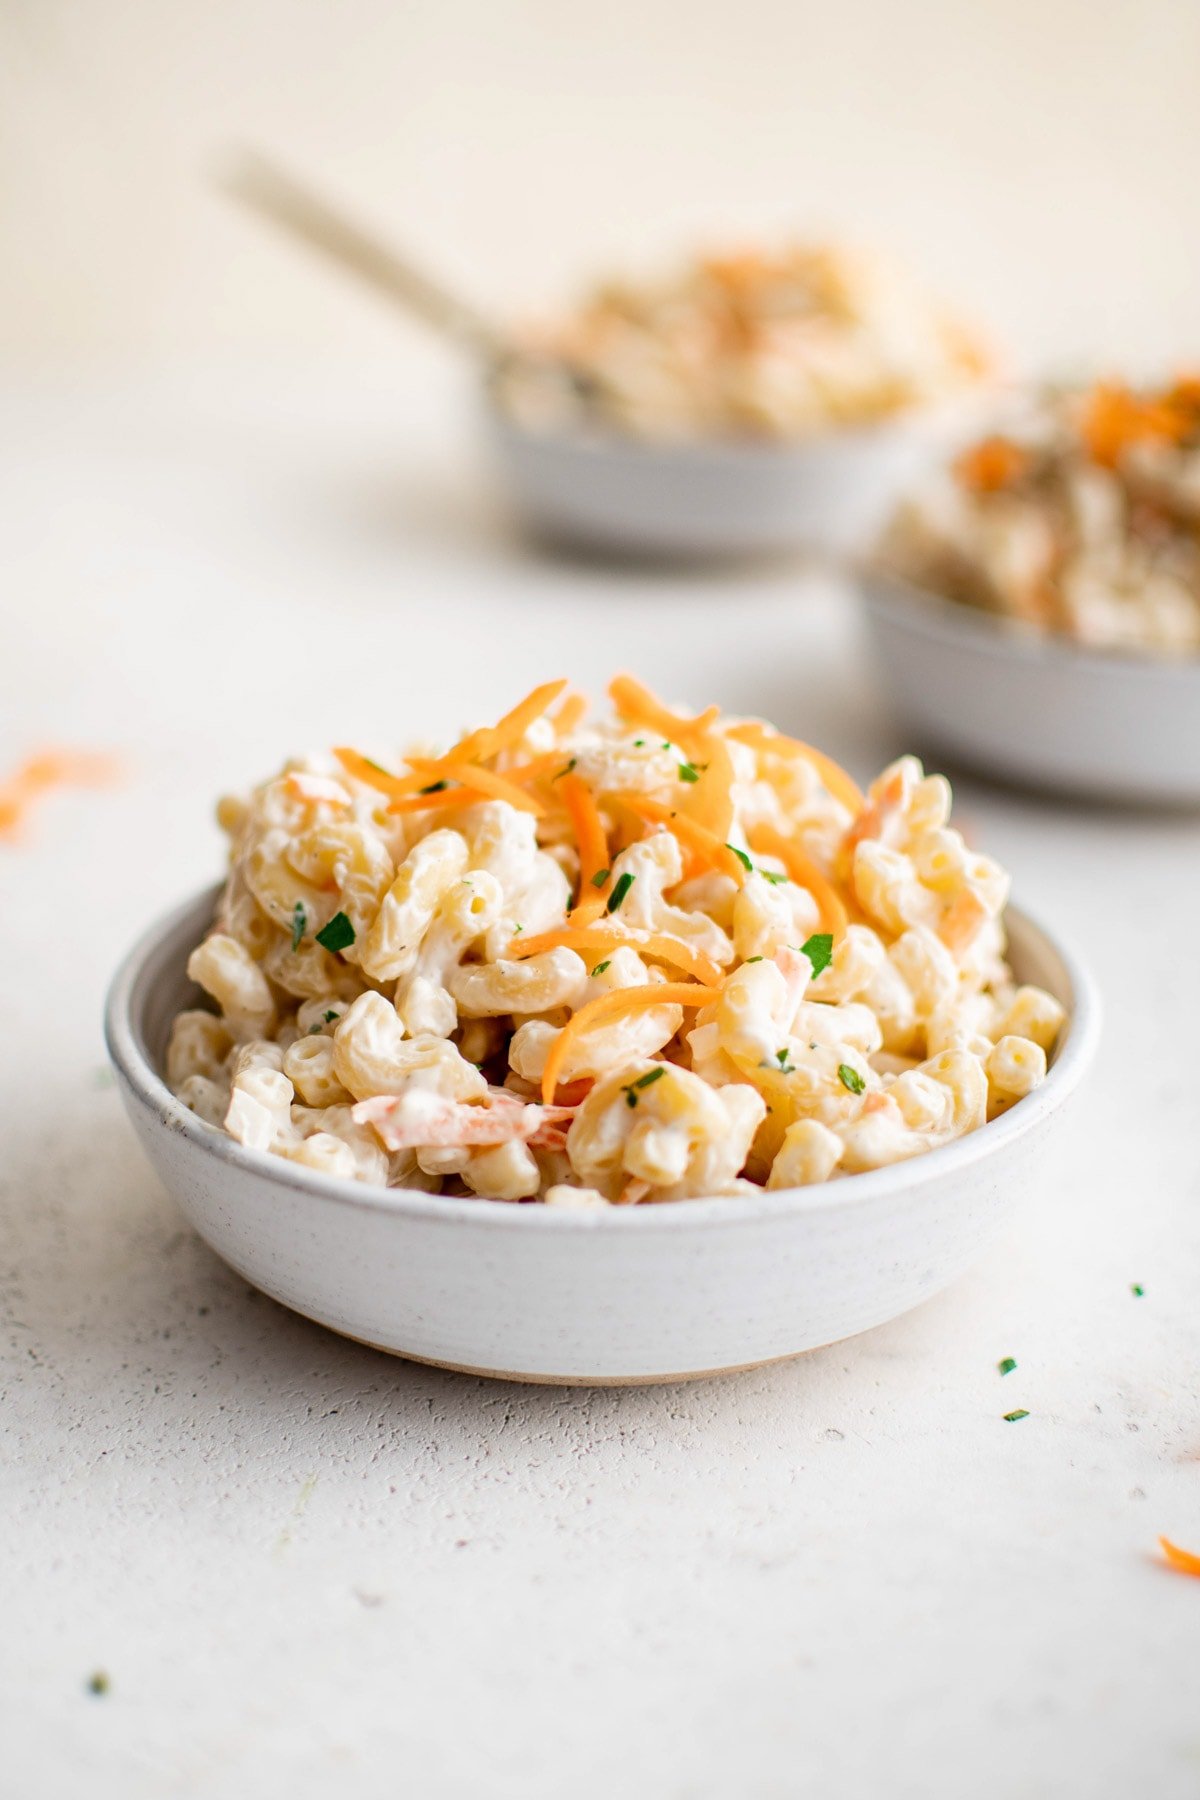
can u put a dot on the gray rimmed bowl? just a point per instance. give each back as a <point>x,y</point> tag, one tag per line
<point>626,1295</point>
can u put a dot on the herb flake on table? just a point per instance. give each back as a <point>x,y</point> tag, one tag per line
<point>98,1684</point>
<point>1021,1412</point>
<point>1007,1364</point>
<point>338,934</point>
<point>1137,1290</point>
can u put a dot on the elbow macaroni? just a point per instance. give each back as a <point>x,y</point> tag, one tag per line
<point>378,1016</point>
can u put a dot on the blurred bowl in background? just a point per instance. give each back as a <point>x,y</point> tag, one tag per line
<point>829,493</point>
<point>1033,709</point>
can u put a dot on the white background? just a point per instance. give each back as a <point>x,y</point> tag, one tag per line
<point>240,514</point>
<point>308,1569</point>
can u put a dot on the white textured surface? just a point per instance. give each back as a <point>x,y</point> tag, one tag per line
<point>310,1570</point>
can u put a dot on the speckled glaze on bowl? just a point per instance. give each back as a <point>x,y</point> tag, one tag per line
<point>830,493</point>
<point>627,1295</point>
<point>1033,709</point>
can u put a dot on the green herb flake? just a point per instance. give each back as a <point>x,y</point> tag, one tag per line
<point>378,767</point>
<point>299,923</point>
<point>1022,1412</point>
<point>435,787</point>
<point>751,959</point>
<point>338,934</point>
<point>624,883</point>
<point>639,743</point>
<point>315,1030</point>
<point>742,858</point>
<point>517,928</point>
<point>1137,1290</point>
<point>643,1081</point>
<point>98,1683</point>
<point>819,950</point>
<point>665,744</point>
<point>850,1078</point>
<point>566,769</point>
<point>781,1057</point>
<point>330,1016</point>
<point>600,877</point>
<point>774,879</point>
<point>1007,1365</point>
<point>688,772</point>
<point>600,967</point>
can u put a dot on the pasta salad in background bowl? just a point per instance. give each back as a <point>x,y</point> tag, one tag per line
<point>1036,606</point>
<point>748,401</point>
<point>616,1049</point>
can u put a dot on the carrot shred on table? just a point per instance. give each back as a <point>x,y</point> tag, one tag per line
<point>841,785</point>
<point>703,843</point>
<point>805,873</point>
<point>47,769</point>
<point>659,945</point>
<point>611,1006</point>
<point>1184,1560</point>
<point>641,707</point>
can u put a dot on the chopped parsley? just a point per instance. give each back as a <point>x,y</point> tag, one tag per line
<point>643,1081</point>
<point>338,934</point>
<point>1021,1412</point>
<point>774,879</point>
<point>639,743</point>
<point>315,1030</point>
<point>742,858</point>
<point>1007,1365</point>
<point>98,1683</point>
<point>819,950</point>
<point>330,1016</point>
<point>600,967</point>
<point>688,772</point>
<point>624,883</point>
<point>435,787</point>
<point>517,928</point>
<point>600,877</point>
<point>378,767</point>
<point>299,923</point>
<point>566,769</point>
<point>751,959</point>
<point>850,1078</point>
<point>781,1057</point>
<point>1137,1290</point>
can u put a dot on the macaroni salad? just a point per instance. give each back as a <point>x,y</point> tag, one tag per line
<point>647,959</point>
<point>1083,522</point>
<point>758,345</point>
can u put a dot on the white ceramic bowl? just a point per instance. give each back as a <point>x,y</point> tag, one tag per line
<point>536,1294</point>
<point>1034,709</point>
<point>831,493</point>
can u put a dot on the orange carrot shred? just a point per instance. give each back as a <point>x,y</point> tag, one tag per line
<point>691,835</point>
<point>839,783</point>
<point>47,769</point>
<point>371,775</point>
<point>635,702</point>
<point>805,873</point>
<point>611,1006</point>
<point>659,945</point>
<point>1184,1560</point>
<point>588,827</point>
<point>571,713</point>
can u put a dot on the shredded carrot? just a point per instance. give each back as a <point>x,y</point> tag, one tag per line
<point>637,703</point>
<point>611,1006</point>
<point>838,782</point>
<point>705,844</point>
<point>710,800</point>
<point>805,873</point>
<point>496,787</point>
<point>657,944</point>
<point>49,769</point>
<point>1115,417</point>
<point>991,465</point>
<point>1183,1560</point>
<point>418,803</point>
<point>488,740</point>
<point>571,713</point>
<point>962,922</point>
<point>371,775</point>
<point>588,827</point>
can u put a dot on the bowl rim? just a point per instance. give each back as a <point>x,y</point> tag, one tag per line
<point>144,1083</point>
<point>938,615</point>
